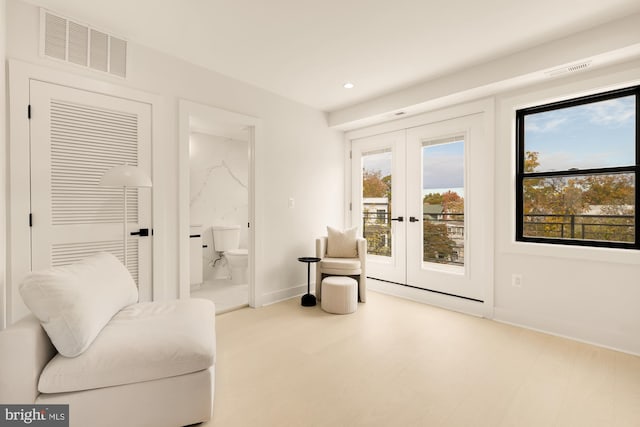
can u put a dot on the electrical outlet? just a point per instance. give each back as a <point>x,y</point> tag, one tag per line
<point>516,280</point>
<point>292,203</point>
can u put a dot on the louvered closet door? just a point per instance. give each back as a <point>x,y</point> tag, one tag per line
<point>75,137</point>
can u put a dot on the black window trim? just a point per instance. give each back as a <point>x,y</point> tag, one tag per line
<point>520,175</point>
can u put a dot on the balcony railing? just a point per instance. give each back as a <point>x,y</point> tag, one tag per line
<point>376,228</point>
<point>616,228</point>
<point>443,236</point>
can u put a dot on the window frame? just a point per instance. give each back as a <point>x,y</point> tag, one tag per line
<point>521,175</point>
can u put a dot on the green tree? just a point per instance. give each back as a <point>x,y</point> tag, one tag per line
<point>561,206</point>
<point>432,199</point>
<point>452,202</point>
<point>438,247</point>
<point>387,181</point>
<point>615,192</point>
<point>374,185</point>
<point>378,232</point>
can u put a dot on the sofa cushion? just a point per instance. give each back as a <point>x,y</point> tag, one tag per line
<point>143,342</point>
<point>74,302</point>
<point>342,244</point>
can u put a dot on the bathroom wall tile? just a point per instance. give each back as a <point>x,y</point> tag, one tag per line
<point>219,176</point>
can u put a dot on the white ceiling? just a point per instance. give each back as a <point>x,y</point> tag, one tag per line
<point>306,49</point>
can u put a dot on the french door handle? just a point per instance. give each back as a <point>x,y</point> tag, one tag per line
<point>143,232</point>
<point>413,219</point>
<point>399,219</point>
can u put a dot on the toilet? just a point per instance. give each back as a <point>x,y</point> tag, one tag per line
<point>226,239</point>
<point>238,260</point>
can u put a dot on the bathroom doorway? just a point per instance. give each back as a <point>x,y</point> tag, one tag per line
<point>217,200</point>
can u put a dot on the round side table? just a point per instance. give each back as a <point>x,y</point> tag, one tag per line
<point>308,300</point>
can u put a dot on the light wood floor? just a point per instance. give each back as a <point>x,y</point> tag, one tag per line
<point>399,363</point>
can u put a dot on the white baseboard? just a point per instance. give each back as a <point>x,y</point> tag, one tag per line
<point>283,294</point>
<point>523,321</point>
<point>461,305</point>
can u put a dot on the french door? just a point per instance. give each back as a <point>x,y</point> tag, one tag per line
<point>420,198</point>
<point>76,136</point>
<point>379,209</point>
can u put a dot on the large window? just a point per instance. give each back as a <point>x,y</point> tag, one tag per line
<point>577,165</point>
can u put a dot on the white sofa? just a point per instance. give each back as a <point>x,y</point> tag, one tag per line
<point>150,364</point>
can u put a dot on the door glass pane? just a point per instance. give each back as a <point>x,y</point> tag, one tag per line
<point>443,200</point>
<point>376,201</point>
<point>584,207</point>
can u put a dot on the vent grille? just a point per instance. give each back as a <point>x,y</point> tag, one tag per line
<point>56,37</point>
<point>578,67</point>
<point>78,43</point>
<point>99,48</point>
<point>85,142</point>
<point>118,55</point>
<point>69,41</point>
<point>569,69</point>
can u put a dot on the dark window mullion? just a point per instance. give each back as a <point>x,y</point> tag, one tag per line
<point>636,220</point>
<point>521,175</point>
<point>589,99</point>
<point>595,171</point>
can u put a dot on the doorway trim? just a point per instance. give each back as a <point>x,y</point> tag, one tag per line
<point>18,233</point>
<point>214,114</point>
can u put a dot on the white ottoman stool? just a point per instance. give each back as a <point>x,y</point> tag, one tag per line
<point>339,295</point>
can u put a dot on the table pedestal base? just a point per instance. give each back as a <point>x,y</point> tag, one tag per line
<point>308,300</point>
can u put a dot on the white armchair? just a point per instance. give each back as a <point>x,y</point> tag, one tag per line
<point>352,267</point>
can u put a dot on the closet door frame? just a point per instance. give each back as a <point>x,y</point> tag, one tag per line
<point>18,233</point>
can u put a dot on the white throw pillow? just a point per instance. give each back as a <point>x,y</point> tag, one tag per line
<point>74,302</point>
<point>342,244</point>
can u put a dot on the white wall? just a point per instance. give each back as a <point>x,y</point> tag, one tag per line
<point>218,181</point>
<point>303,158</point>
<point>3,162</point>
<point>590,294</point>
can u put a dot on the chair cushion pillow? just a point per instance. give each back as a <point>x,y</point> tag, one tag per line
<point>342,244</point>
<point>143,342</point>
<point>74,302</point>
<point>340,263</point>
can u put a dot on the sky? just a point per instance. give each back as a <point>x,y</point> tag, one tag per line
<point>595,135</point>
<point>442,167</point>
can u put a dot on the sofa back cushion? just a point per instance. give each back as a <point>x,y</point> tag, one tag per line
<point>74,302</point>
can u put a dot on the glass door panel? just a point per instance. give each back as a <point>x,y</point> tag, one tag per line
<point>443,201</point>
<point>379,202</point>
<point>376,201</point>
<point>449,197</point>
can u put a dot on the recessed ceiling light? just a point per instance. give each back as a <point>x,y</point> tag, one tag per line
<point>348,85</point>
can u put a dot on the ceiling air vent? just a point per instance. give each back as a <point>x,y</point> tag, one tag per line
<point>569,69</point>
<point>69,41</point>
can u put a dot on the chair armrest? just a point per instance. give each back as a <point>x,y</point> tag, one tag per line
<point>361,244</point>
<point>321,247</point>
<point>25,349</point>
